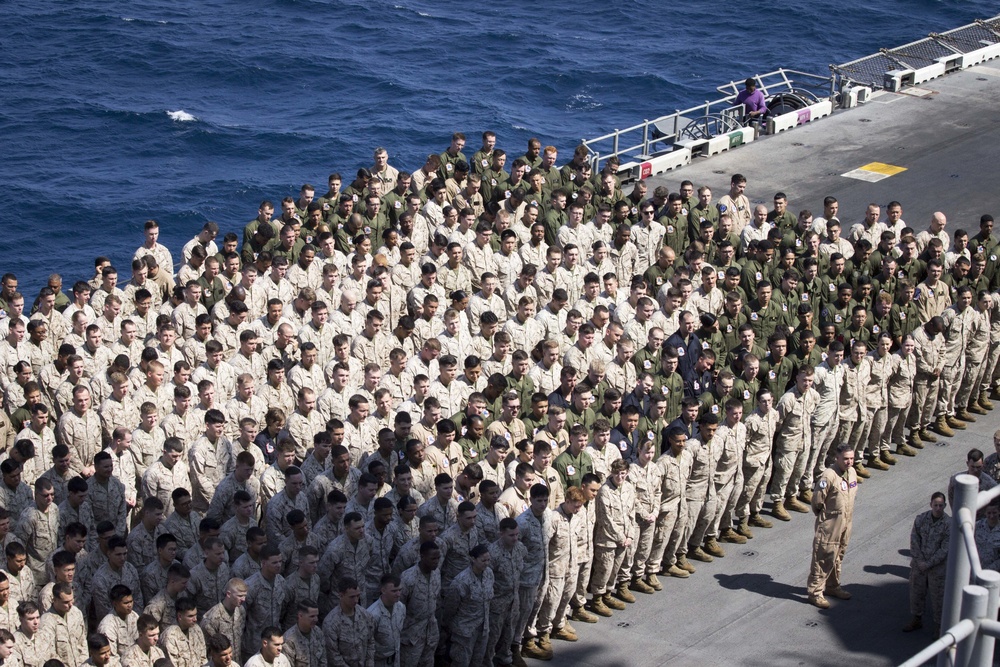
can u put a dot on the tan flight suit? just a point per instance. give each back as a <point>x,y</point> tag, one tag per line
<point>833,504</point>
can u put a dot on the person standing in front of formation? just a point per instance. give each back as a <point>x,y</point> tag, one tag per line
<point>833,504</point>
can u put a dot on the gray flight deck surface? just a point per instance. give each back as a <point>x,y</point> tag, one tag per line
<point>750,608</point>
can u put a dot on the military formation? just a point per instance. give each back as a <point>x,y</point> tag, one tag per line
<point>440,416</point>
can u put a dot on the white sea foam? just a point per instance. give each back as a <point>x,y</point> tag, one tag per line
<point>181,116</point>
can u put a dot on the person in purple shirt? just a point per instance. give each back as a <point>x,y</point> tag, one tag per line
<point>752,100</point>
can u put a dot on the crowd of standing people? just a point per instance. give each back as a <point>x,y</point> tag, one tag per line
<point>442,415</point>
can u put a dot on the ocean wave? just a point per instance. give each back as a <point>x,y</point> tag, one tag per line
<point>181,116</point>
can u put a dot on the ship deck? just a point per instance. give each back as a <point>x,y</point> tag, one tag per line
<point>750,608</point>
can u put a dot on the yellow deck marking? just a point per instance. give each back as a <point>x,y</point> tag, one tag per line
<point>873,172</point>
<point>883,168</point>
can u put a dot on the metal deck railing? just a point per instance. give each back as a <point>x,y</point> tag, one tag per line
<point>658,136</point>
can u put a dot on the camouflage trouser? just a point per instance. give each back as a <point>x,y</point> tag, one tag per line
<point>608,563</point>
<point>701,513</point>
<point>552,615</point>
<point>823,436</point>
<point>642,546</point>
<point>528,602</point>
<point>927,583</point>
<point>666,536</point>
<point>951,380</point>
<point>925,393</point>
<point>503,615</point>
<point>726,497</point>
<point>969,389</point>
<point>755,480</point>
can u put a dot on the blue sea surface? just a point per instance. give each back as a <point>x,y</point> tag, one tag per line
<point>116,112</point>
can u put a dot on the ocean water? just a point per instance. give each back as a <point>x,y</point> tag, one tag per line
<point>182,111</point>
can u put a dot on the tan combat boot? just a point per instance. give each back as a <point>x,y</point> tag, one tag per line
<point>956,422</point>
<point>779,511</point>
<point>886,457</point>
<point>819,601</point>
<point>653,582</point>
<point>566,633</point>
<point>640,586</point>
<point>984,401</point>
<point>623,594</point>
<point>744,529</point>
<point>926,436</point>
<point>906,450</point>
<point>544,642</point>
<point>942,428</point>
<point>876,463</point>
<point>915,440</point>
<point>796,505</point>
<point>583,616</point>
<point>974,408</point>
<point>684,564</point>
<point>613,602</point>
<point>531,649</point>
<point>712,548</point>
<point>757,521</point>
<point>598,607</point>
<point>732,536</point>
<point>700,555</point>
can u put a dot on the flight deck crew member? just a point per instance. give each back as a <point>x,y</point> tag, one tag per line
<point>833,504</point>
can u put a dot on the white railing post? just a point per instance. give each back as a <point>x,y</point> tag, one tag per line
<point>959,569</point>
